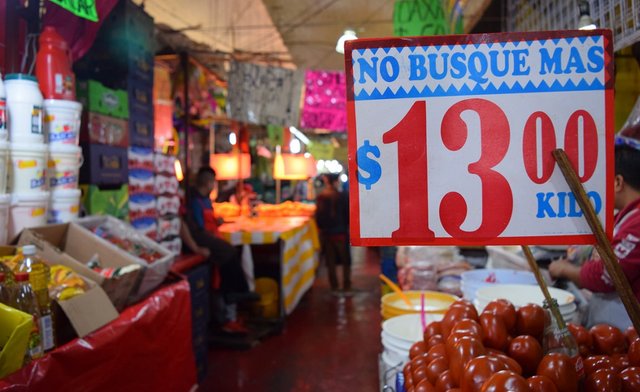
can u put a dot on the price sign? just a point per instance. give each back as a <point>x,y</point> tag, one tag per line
<point>450,138</point>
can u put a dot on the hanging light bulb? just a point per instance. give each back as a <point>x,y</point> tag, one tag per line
<point>346,36</point>
<point>294,146</point>
<point>585,22</point>
<point>233,139</point>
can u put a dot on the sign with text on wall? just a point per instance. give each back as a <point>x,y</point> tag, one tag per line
<point>450,138</point>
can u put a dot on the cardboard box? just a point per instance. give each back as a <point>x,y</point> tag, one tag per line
<point>73,246</point>
<point>154,273</point>
<point>86,312</point>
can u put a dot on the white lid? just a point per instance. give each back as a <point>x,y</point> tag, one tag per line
<point>5,199</point>
<point>65,194</point>
<point>29,250</point>
<point>64,149</point>
<point>39,147</point>
<point>29,197</point>
<point>63,103</point>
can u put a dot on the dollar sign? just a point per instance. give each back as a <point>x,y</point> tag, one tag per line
<point>369,165</point>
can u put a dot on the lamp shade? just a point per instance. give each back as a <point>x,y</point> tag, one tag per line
<point>293,167</point>
<point>234,166</point>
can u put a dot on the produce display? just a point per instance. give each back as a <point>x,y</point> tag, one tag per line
<point>501,349</point>
<point>130,244</point>
<point>228,210</point>
<point>65,283</point>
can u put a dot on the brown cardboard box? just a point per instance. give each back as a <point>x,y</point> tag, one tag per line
<point>74,246</point>
<point>86,312</point>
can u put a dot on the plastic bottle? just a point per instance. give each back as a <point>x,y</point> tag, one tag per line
<point>5,291</point>
<point>39,277</point>
<point>53,66</point>
<point>25,300</point>
<point>560,340</point>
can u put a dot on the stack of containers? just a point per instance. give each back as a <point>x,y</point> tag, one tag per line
<point>28,155</point>
<point>62,118</point>
<point>142,198</point>
<point>104,175</point>
<point>168,203</point>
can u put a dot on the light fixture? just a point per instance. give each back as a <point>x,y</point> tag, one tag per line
<point>294,146</point>
<point>346,36</point>
<point>585,22</point>
<point>233,139</point>
<point>178,168</point>
<point>298,133</point>
<point>232,166</point>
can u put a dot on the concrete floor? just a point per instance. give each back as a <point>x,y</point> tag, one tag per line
<point>329,344</point>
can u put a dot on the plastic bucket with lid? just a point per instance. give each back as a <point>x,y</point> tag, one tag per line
<point>62,121</point>
<point>64,205</point>
<point>28,165</point>
<point>5,202</point>
<point>4,165</point>
<point>27,210</point>
<point>64,166</point>
<point>24,108</point>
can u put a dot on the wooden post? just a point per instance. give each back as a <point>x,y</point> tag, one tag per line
<point>603,245</point>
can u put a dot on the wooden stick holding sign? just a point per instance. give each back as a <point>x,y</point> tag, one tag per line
<point>603,245</point>
<point>553,306</point>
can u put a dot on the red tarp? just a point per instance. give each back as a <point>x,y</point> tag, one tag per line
<point>148,348</point>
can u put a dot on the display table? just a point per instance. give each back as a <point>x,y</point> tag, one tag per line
<point>147,348</point>
<point>299,251</point>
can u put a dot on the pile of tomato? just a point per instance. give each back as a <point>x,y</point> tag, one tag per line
<point>501,350</point>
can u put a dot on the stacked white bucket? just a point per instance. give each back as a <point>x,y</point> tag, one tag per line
<point>41,159</point>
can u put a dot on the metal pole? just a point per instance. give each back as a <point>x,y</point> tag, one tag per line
<point>184,61</point>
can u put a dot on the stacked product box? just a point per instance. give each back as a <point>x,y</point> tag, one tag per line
<point>168,202</point>
<point>143,213</point>
<point>104,174</point>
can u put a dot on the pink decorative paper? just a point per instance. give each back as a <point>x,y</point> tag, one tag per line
<point>324,101</point>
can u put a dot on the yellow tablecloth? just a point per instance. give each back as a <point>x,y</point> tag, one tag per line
<point>299,253</point>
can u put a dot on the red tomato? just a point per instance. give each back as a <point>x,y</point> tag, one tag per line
<point>630,378</point>
<point>452,340</point>
<point>431,329</point>
<point>478,370</point>
<point>511,363</point>
<point>530,321</point>
<point>584,350</point>
<point>406,371</point>
<point>526,350</point>
<point>418,373</point>
<point>421,360</point>
<point>467,327</point>
<point>495,331</point>
<point>541,384</point>
<point>595,362</point>
<point>581,334</point>
<point>603,380</point>
<point>435,369</point>
<point>418,348</point>
<point>435,339</point>
<point>455,314</point>
<point>466,349</point>
<point>505,381</point>
<point>560,369</point>
<point>424,386</point>
<point>607,339</point>
<point>439,350</point>
<point>620,361</point>
<point>504,309</point>
<point>631,334</point>
<point>444,382</point>
<point>634,353</point>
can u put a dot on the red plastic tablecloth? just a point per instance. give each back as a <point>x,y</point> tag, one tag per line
<point>147,348</point>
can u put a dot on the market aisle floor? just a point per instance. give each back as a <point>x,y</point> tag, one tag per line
<point>329,344</point>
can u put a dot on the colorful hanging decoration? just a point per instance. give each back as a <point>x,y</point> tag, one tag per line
<point>324,101</point>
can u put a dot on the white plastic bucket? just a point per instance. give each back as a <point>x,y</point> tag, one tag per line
<point>64,166</point>
<point>4,166</point>
<point>28,165</point>
<point>62,121</point>
<point>64,205</point>
<point>24,109</point>
<point>5,202</point>
<point>27,210</point>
